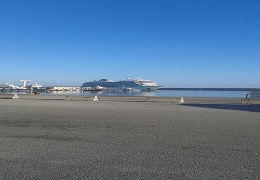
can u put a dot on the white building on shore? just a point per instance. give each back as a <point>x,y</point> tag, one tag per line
<point>64,88</point>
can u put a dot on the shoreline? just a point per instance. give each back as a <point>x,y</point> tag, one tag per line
<point>158,93</point>
<point>187,100</point>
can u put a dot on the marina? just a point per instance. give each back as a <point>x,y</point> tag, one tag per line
<point>133,85</point>
<point>160,93</point>
<point>127,87</point>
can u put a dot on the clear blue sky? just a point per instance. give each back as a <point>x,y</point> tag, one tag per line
<point>177,43</point>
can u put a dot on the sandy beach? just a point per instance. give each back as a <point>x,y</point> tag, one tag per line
<point>44,138</point>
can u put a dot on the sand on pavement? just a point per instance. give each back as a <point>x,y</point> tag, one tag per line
<point>57,139</point>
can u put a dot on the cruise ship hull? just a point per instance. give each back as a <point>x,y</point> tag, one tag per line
<point>149,88</point>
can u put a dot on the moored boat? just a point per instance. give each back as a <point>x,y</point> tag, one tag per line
<point>129,84</point>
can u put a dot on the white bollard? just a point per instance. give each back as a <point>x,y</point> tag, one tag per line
<point>15,96</point>
<point>95,98</point>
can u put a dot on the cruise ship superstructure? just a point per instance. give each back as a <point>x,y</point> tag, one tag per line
<point>146,85</point>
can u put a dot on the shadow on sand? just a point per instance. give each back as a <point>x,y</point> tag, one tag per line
<point>239,107</point>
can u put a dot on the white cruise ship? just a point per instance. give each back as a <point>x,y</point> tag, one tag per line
<point>144,85</point>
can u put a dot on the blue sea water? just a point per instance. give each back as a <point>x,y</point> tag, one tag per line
<point>163,93</point>
<point>212,93</point>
